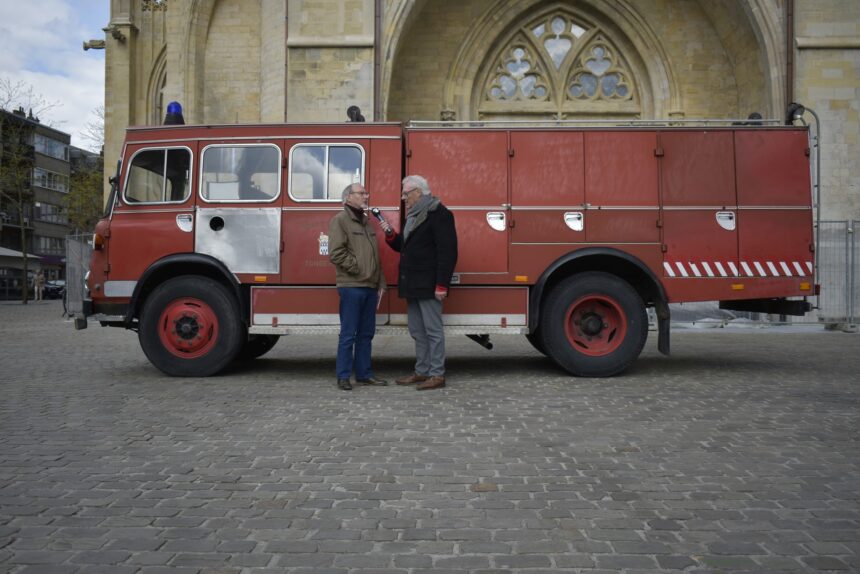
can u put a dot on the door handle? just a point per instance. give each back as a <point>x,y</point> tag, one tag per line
<point>185,222</point>
<point>496,220</point>
<point>575,220</point>
<point>726,220</point>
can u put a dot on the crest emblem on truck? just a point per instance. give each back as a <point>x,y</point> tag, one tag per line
<point>323,243</point>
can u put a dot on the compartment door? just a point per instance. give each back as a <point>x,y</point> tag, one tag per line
<point>547,187</point>
<point>621,187</point>
<point>468,171</point>
<point>699,212</point>
<point>775,204</point>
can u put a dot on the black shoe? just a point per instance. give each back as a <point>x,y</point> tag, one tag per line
<point>372,381</point>
<point>344,385</point>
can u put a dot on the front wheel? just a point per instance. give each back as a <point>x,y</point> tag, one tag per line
<point>594,324</point>
<point>190,327</point>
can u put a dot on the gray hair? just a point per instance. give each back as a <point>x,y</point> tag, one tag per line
<point>346,191</point>
<point>418,182</point>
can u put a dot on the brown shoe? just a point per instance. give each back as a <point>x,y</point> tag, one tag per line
<point>431,383</point>
<point>411,379</point>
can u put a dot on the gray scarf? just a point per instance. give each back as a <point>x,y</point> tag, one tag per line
<point>418,213</point>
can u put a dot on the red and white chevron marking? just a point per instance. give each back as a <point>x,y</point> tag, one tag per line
<point>729,269</point>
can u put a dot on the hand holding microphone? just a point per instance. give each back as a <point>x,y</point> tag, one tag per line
<point>382,223</point>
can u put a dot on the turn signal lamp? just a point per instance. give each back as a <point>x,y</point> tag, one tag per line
<point>98,241</point>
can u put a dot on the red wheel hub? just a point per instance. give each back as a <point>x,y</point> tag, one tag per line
<point>188,328</point>
<point>595,325</point>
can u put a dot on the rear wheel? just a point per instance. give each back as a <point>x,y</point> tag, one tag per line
<point>190,327</point>
<point>537,341</point>
<point>594,324</point>
<point>256,346</point>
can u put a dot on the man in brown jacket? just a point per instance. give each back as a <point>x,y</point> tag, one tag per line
<point>360,284</point>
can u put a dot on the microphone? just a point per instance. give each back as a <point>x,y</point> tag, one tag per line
<point>378,215</point>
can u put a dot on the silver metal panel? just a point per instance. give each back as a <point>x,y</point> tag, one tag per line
<point>245,239</point>
<point>468,319</point>
<point>384,330</point>
<point>119,288</point>
<point>306,319</point>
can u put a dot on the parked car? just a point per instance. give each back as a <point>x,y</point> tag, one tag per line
<point>55,289</point>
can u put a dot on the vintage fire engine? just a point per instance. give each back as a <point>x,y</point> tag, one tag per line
<point>215,239</point>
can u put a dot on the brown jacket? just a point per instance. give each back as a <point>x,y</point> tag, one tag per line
<point>354,252</point>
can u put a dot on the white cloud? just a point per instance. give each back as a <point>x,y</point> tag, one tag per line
<point>41,44</point>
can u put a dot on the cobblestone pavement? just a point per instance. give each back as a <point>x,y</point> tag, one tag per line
<point>741,452</point>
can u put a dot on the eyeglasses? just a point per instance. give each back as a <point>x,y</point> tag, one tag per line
<point>360,192</point>
<point>406,192</point>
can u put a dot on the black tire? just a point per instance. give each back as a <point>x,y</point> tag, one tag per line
<point>537,341</point>
<point>190,327</point>
<point>594,324</point>
<point>256,346</point>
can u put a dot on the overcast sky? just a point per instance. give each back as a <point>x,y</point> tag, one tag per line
<point>41,44</point>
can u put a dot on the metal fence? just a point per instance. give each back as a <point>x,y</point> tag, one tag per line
<point>838,268</point>
<point>78,251</point>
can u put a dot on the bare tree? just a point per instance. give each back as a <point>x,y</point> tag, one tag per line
<point>24,96</point>
<point>94,131</point>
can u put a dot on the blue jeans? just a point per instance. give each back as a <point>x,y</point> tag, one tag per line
<point>357,326</point>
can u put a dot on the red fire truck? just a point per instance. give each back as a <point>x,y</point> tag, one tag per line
<point>215,239</point>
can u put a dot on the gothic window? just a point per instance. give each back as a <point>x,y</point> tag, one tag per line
<point>560,66</point>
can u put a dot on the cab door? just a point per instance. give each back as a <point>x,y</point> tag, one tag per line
<point>238,215</point>
<point>154,214</point>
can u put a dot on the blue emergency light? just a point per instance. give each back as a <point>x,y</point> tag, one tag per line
<point>174,115</point>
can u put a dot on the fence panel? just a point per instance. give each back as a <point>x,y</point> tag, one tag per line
<point>78,251</point>
<point>834,272</point>
<point>854,273</point>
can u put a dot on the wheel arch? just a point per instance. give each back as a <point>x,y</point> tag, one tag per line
<point>609,260</point>
<point>184,264</point>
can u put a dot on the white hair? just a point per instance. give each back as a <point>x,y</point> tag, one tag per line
<point>346,191</point>
<point>418,182</point>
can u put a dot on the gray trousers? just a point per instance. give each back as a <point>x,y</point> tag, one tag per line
<point>424,317</point>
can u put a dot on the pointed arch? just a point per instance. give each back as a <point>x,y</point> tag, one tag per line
<point>618,20</point>
<point>155,89</point>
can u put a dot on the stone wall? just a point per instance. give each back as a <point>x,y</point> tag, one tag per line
<point>828,81</point>
<point>330,59</point>
<point>232,64</point>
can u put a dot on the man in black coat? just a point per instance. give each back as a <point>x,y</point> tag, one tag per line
<point>428,254</point>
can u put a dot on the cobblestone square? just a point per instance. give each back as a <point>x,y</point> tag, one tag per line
<point>740,452</point>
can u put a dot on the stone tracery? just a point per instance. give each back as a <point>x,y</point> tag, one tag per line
<point>562,65</point>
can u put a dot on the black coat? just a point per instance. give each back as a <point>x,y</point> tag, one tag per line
<point>428,256</point>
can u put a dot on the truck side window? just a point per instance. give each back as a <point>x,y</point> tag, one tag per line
<point>240,173</point>
<point>320,172</point>
<point>159,176</point>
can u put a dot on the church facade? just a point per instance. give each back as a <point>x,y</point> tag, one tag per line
<point>271,61</point>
